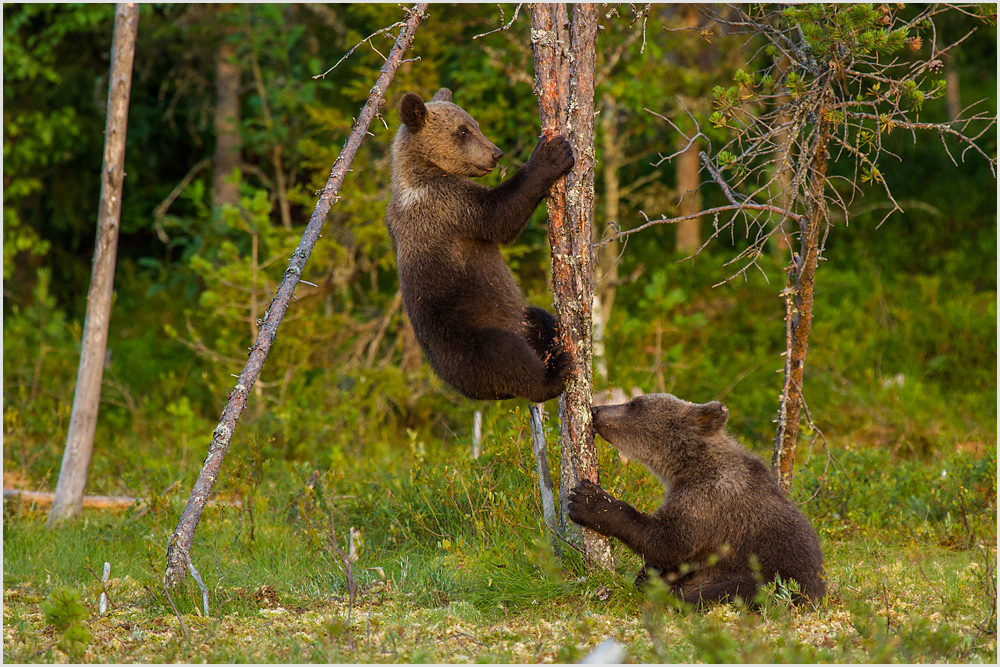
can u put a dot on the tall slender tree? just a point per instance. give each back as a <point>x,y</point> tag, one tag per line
<point>225,189</point>
<point>565,87</point>
<point>688,165</point>
<point>68,500</point>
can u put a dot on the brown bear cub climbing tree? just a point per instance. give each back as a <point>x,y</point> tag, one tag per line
<point>466,309</point>
<point>724,525</point>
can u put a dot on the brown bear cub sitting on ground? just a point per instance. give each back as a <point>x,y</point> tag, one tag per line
<point>466,310</point>
<point>722,504</point>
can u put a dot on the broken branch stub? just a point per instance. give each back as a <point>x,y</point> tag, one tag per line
<point>178,550</point>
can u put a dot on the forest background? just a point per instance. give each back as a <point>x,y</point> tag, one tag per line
<point>901,373</point>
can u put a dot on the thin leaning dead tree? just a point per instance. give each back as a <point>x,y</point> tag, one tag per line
<point>179,549</point>
<point>68,500</point>
<point>565,57</point>
<point>840,80</point>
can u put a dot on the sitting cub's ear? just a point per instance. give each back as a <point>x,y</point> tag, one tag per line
<point>442,95</point>
<point>412,111</point>
<point>710,417</point>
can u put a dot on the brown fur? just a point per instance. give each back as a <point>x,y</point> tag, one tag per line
<point>722,504</point>
<point>466,309</point>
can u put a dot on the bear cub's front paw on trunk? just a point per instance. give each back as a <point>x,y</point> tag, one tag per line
<point>553,156</point>
<point>590,505</point>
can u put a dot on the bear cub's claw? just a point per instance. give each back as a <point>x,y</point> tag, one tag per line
<point>553,154</point>
<point>559,365</point>
<point>589,504</point>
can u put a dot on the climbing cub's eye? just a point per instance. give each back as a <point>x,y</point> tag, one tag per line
<point>463,131</point>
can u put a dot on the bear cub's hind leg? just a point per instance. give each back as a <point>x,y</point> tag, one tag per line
<point>723,586</point>
<point>542,333</point>
<point>506,366</point>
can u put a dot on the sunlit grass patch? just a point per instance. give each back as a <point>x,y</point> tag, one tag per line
<point>452,564</point>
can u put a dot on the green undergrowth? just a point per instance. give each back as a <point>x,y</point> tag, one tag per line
<point>902,362</point>
<point>897,473</point>
<point>453,565</point>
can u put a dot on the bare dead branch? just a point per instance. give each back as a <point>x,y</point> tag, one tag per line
<point>946,129</point>
<point>201,584</point>
<point>744,206</point>
<point>161,209</point>
<point>366,40</point>
<point>611,60</point>
<point>180,619</point>
<point>178,551</point>
<point>690,140</point>
<point>502,26</point>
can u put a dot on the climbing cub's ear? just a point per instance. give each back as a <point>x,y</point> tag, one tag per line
<point>442,95</point>
<point>709,418</point>
<point>412,111</point>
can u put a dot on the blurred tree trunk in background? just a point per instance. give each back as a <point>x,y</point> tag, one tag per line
<point>688,180</point>
<point>276,148</point>
<point>952,95</point>
<point>225,188</point>
<point>783,162</point>
<point>688,162</point>
<point>86,401</point>
<point>606,259</point>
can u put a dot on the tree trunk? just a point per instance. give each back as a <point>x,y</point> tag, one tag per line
<point>550,41</point>
<point>570,237</point>
<point>782,242</point>
<point>688,180</point>
<point>178,551</point>
<point>688,163</point>
<point>952,94</point>
<point>225,189</point>
<point>606,260</point>
<point>799,308</point>
<point>412,354</point>
<point>86,400</point>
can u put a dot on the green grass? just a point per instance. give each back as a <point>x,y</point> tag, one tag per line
<point>453,566</point>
